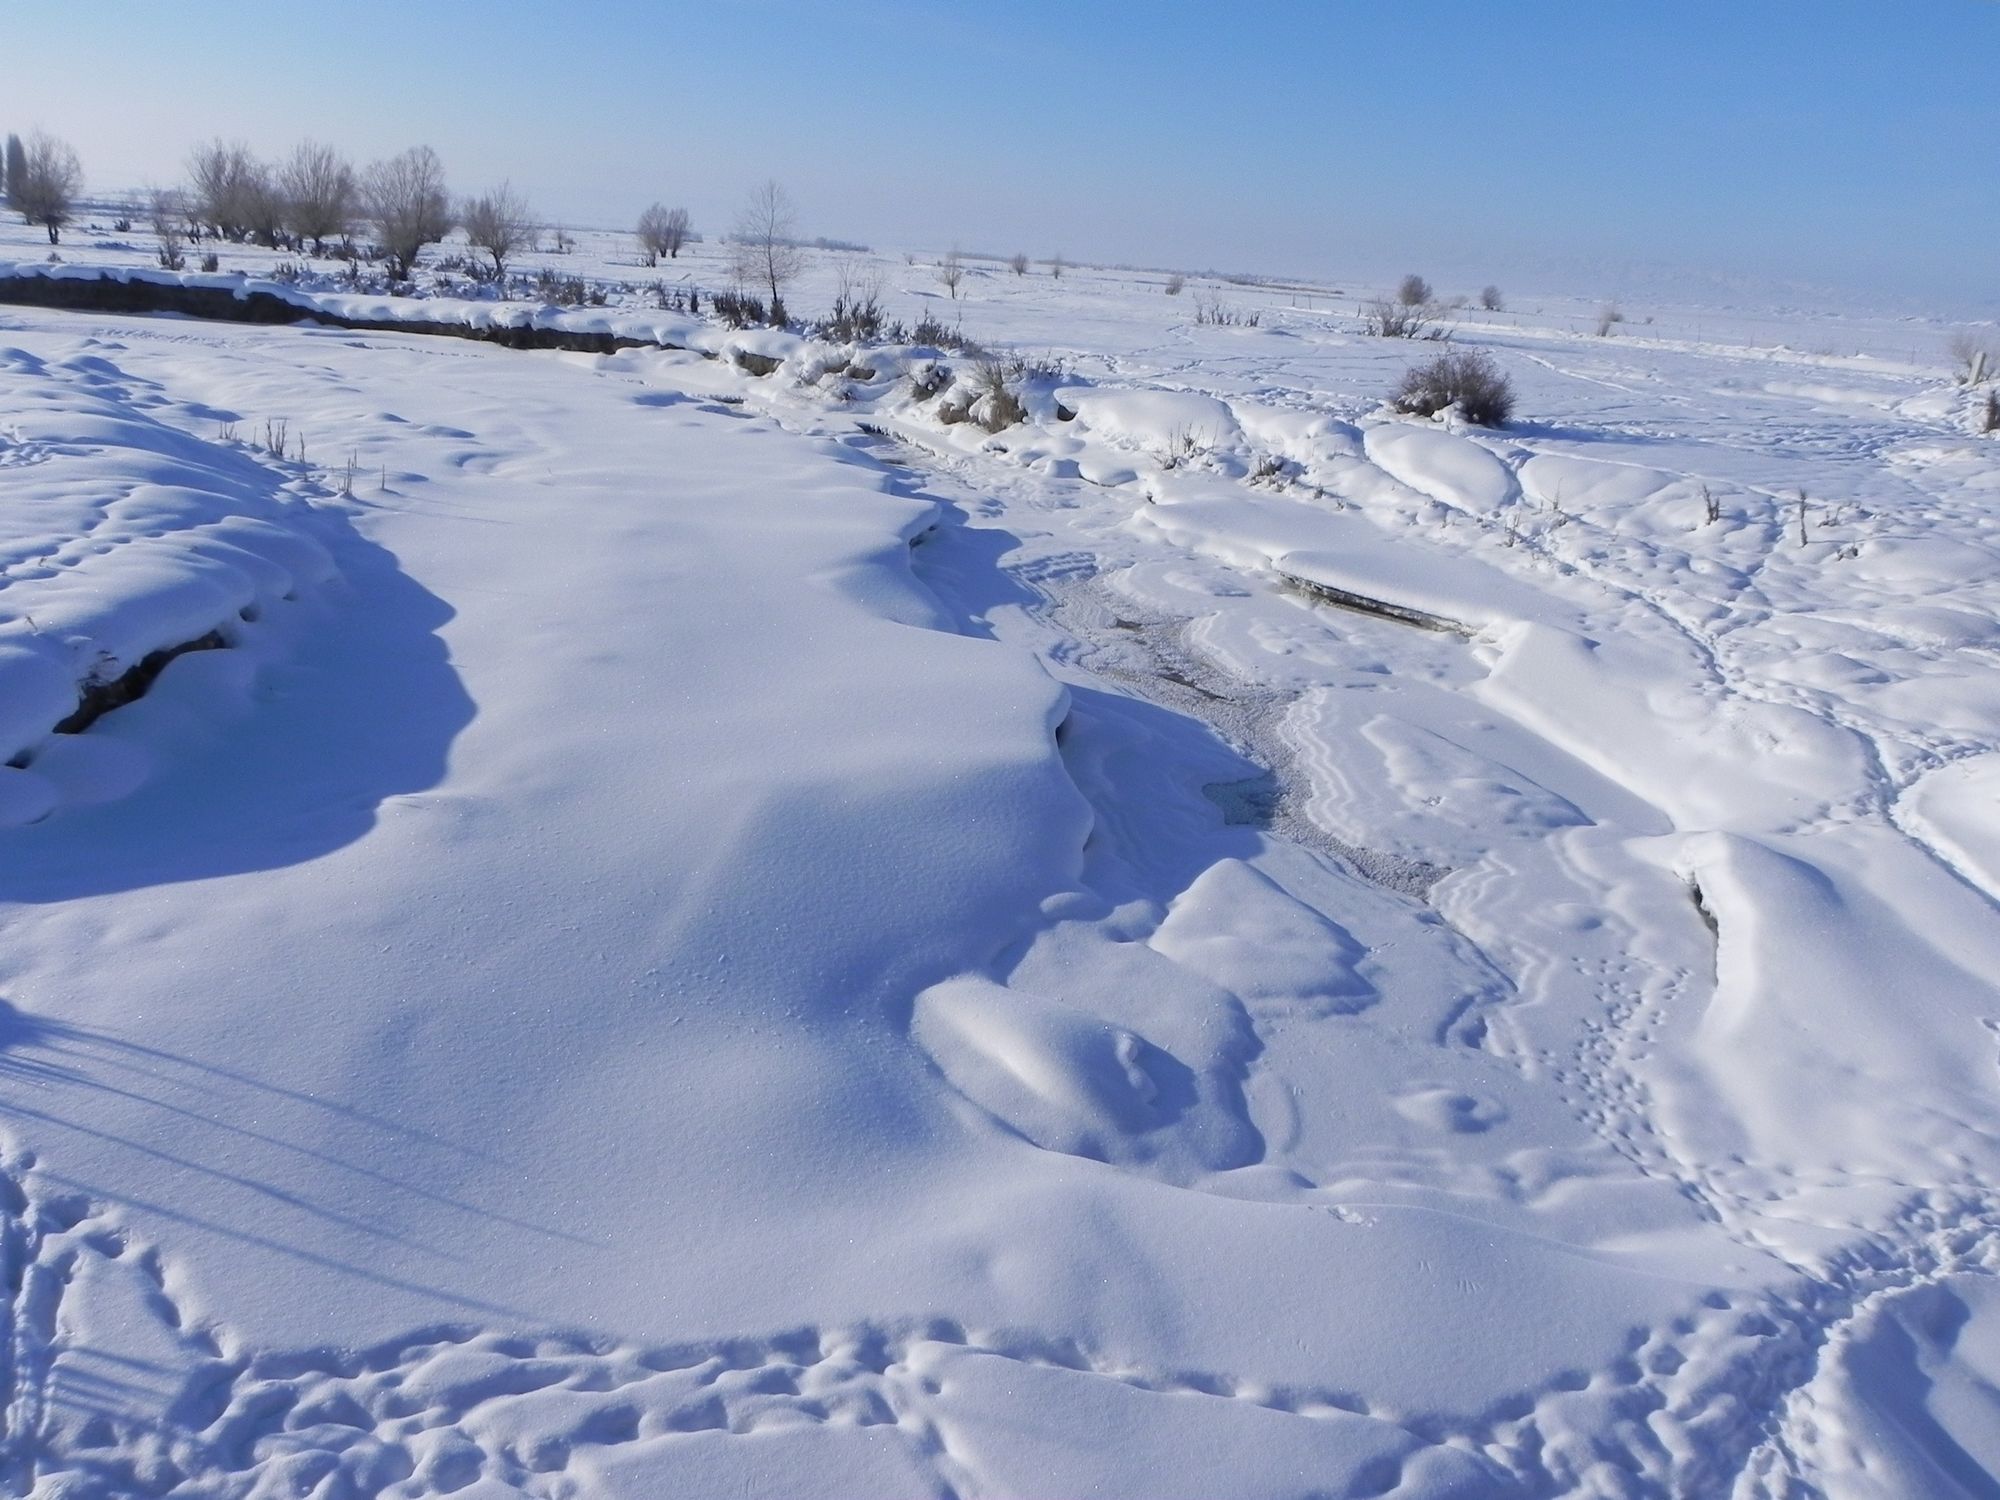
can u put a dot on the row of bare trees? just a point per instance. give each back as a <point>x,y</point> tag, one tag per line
<point>316,195</point>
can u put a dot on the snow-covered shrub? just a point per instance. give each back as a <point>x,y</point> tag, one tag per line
<point>568,291</point>
<point>929,379</point>
<point>1489,298</point>
<point>1174,284</point>
<point>995,403</point>
<point>1464,378</point>
<point>1018,263</point>
<point>1049,367</point>
<point>1413,291</point>
<point>169,227</point>
<point>933,334</point>
<point>1393,320</point>
<point>1607,317</point>
<point>738,309</point>
<point>1214,310</point>
<point>856,317</point>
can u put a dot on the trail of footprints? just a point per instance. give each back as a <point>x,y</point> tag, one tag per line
<point>499,1413</point>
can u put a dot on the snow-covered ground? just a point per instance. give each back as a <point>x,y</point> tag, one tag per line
<point>719,934</point>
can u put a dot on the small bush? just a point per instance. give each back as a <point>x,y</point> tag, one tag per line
<point>567,291</point>
<point>857,310</point>
<point>933,334</point>
<point>1489,298</point>
<point>1608,316</point>
<point>1049,367</point>
<point>211,262</point>
<point>1466,379</point>
<point>1182,445</point>
<point>738,309</point>
<point>1217,312</point>
<point>1395,320</point>
<point>999,405</point>
<point>1018,263</point>
<point>1414,291</point>
<point>1175,283</point>
<point>929,379</point>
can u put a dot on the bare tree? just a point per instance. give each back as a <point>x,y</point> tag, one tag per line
<point>765,250</point>
<point>164,208</point>
<point>1056,265</point>
<point>222,175</point>
<point>951,272</point>
<point>51,177</point>
<point>1018,263</point>
<point>320,194</point>
<point>1489,298</point>
<point>17,166</point>
<point>498,223</point>
<point>408,204</point>
<point>1607,316</point>
<point>1413,291</point>
<point>662,231</point>
<point>264,208</point>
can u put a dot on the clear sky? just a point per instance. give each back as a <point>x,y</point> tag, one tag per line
<point>1846,142</point>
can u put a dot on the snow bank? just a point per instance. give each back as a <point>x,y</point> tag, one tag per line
<point>275,301</point>
<point>124,539</point>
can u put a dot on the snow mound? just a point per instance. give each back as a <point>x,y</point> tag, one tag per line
<point>1154,420</point>
<point>1446,467</point>
<point>1065,1080</point>
<point>1239,929</point>
<point>126,541</point>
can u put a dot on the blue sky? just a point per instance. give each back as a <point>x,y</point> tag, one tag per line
<point>1848,142</point>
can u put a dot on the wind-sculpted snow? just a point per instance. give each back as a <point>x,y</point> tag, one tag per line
<point>123,538</point>
<point>740,935</point>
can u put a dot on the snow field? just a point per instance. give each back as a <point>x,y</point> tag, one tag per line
<point>883,954</point>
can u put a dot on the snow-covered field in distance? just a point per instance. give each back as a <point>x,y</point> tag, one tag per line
<point>715,933</point>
